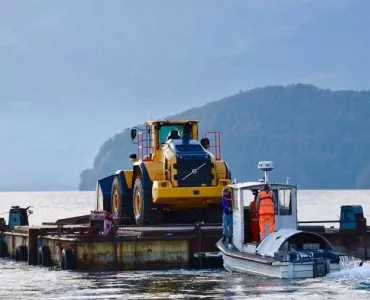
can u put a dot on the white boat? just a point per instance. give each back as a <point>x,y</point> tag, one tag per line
<point>285,253</point>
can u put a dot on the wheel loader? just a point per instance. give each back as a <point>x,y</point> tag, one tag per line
<point>174,177</point>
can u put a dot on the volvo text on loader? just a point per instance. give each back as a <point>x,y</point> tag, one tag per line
<point>174,177</point>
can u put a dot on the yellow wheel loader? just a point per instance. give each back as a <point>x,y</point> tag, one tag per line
<point>173,176</point>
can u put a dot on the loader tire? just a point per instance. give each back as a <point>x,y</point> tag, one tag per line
<point>142,203</point>
<point>121,203</point>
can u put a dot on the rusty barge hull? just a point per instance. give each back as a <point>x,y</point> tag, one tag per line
<point>144,248</point>
<point>130,248</point>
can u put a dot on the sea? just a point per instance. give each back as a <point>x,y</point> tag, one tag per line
<point>21,281</point>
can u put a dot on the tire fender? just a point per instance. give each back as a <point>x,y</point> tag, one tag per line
<point>21,253</point>
<point>44,256</point>
<point>67,261</point>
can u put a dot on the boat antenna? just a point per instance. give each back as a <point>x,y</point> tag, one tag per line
<point>265,166</point>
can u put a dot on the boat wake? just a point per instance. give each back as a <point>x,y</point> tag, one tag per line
<point>352,274</point>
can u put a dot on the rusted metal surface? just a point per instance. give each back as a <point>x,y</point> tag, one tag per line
<point>14,240</point>
<point>350,243</point>
<point>146,247</point>
<point>132,248</point>
<point>32,246</point>
<point>133,255</point>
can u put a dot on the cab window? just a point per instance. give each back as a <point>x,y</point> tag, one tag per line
<point>285,202</point>
<point>165,130</point>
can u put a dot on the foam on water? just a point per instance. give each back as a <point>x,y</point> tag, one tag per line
<point>351,274</point>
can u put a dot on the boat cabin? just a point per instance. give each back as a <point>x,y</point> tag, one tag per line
<point>242,196</point>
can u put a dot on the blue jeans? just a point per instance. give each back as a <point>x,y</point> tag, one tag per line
<point>227,225</point>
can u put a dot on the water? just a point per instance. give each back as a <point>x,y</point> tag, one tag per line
<point>20,281</point>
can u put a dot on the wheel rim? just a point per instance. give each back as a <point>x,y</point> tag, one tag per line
<point>137,203</point>
<point>115,201</point>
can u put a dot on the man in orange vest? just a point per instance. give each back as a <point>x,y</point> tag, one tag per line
<point>254,217</point>
<point>266,209</point>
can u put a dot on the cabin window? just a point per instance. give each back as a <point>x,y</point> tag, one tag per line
<point>165,130</point>
<point>285,202</point>
<point>235,200</point>
<point>248,197</point>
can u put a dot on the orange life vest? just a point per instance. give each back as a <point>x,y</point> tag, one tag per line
<point>254,211</point>
<point>266,203</point>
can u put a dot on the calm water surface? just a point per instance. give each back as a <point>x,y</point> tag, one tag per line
<point>20,281</point>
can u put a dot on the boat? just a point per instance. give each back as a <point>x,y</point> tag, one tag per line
<point>285,253</point>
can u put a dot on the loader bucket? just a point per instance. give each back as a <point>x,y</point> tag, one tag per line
<point>103,191</point>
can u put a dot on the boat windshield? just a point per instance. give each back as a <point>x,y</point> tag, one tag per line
<point>283,197</point>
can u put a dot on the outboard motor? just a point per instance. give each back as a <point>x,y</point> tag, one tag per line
<point>18,216</point>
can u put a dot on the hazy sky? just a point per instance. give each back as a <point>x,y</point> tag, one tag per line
<point>73,73</point>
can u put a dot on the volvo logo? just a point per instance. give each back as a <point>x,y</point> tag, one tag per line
<point>194,171</point>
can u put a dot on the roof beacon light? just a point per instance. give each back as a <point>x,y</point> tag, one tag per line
<point>266,166</point>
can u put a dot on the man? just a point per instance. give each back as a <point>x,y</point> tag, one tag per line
<point>266,208</point>
<point>228,214</point>
<point>254,217</point>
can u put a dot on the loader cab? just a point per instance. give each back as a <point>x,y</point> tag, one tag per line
<point>157,133</point>
<point>185,130</point>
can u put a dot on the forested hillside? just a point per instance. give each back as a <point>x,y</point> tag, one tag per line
<point>319,138</point>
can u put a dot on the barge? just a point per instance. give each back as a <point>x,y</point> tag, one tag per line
<point>100,245</point>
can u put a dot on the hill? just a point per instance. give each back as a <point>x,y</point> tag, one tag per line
<point>70,71</point>
<point>317,137</point>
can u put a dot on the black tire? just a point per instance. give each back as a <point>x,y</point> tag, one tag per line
<point>67,261</point>
<point>3,249</point>
<point>142,206</point>
<point>121,202</point>
<point>21,253</point>
<point>44,256</point>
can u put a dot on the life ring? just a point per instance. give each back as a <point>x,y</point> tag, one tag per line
<point>44,256</point>
<point>67,261</point>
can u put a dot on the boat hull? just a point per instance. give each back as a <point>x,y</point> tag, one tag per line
<point>277,270</point>
<point>254,264</point>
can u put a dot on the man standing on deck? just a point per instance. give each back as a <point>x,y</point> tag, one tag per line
<point>228,215</point>
<point>254,218</point>
<point>266,208</point>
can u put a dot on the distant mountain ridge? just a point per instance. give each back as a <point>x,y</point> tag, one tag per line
<point>318,138</point>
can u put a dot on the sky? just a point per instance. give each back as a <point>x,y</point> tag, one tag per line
<point>73,73</point>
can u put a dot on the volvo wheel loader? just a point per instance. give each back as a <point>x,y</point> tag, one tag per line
<point>174,176</point>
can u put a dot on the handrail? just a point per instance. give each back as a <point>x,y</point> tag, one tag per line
<point>217,143</point>
<point>328,221</point>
